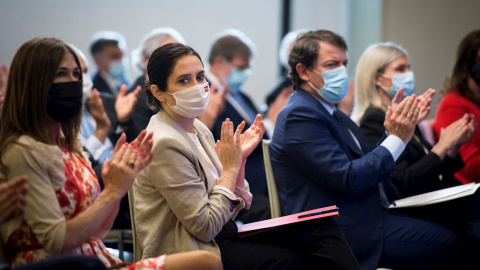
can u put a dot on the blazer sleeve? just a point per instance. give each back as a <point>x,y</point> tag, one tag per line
<point>176,178</point>
<point>45,175</point>
<point>315,149</point>
<point>372,127</point>
<point>416,171</point>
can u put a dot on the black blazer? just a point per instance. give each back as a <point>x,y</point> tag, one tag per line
<point>100,84</point>
<point>141,113</point>
<point>417,171</point>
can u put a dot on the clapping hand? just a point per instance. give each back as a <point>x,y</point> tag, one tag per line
<point>127,160</point>
<point>12,197</point>
<point>402,115</point>
<point>252,136</point>
<point>124,103</point>
<point>229,149</point>
<point>425,100</point>
<point>97,110</point>
<point>454,136</point>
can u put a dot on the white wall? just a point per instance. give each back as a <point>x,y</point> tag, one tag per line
<point>430,30</point>
<point>76,21</point>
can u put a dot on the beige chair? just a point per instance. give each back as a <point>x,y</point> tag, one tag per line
<point>275,209</point>
<point>137,249</point>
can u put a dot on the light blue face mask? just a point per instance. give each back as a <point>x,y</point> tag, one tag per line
<point>335,84</point>
<point>237,78</point>
<point>405,80</point>
<point>116,69</point>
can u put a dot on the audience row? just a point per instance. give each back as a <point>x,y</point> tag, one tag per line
<point>197,170</point>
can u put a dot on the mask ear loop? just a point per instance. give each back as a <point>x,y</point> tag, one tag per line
<point>311,84</point>
<point>379,84</point>
<point>170,95</point>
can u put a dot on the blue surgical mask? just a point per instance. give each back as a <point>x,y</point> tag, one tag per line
<point>405,80</point>
<point>237,78</point>
<point>116,69</point>
<point>335,85</point>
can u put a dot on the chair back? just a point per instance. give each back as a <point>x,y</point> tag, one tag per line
<point>275,208</point>
<point>137,249</point>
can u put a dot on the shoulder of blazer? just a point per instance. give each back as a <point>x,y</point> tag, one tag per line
<point>307,102</point>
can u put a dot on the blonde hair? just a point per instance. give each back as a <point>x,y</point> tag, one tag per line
<point>373,62</point>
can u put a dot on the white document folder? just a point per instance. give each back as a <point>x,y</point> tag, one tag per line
<point>437,196</point>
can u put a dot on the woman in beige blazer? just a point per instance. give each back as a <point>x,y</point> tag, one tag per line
<point>187,198</point>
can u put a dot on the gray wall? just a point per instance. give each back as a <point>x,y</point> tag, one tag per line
<point>430,30</point>
<point>76,21</point>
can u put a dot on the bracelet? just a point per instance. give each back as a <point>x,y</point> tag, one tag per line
<point>234,184</point>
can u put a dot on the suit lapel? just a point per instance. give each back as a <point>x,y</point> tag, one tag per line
<point>352,145</point>
<point>353,128</point>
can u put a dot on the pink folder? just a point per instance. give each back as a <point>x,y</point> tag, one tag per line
<point>260,226</point>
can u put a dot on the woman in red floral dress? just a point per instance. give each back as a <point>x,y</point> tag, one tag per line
<point>65,211</point>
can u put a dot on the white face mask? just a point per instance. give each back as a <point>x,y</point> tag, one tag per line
<point>87,85</point>
<point>192,101</point>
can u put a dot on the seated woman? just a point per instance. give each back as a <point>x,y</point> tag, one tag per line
<point>65,211</point>
<point>188,196</point>
<point>381,71</point>
<point>462,96</point>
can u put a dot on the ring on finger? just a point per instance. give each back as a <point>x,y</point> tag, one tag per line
<point>131,164</point>
<point>408,115</point>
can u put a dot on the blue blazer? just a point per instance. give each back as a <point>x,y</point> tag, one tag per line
<point>316,165</point>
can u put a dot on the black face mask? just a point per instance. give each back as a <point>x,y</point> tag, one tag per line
<point>476,71</point>
<point>64,100</point>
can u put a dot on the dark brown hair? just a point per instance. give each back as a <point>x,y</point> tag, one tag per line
<point>467,54</point>
<point>305,51</point>
<point>30,78</point>
<point>160,66</point>
<point>229,47</point>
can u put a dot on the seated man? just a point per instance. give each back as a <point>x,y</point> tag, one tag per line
<point>230,56</point>
<point>320,158</point>
<point>108,49</point>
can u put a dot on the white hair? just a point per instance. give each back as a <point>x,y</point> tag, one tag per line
<point>286,46</point>
<point>79,53</point>
<point>150,42</point>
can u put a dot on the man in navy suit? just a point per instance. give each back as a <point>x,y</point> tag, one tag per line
<point>321,158</point>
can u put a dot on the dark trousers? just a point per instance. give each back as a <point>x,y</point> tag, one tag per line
<point>316,244</point>
<point>70,262</point>
<point>438,236</point>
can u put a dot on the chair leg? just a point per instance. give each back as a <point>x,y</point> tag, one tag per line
<point>120,245</point>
